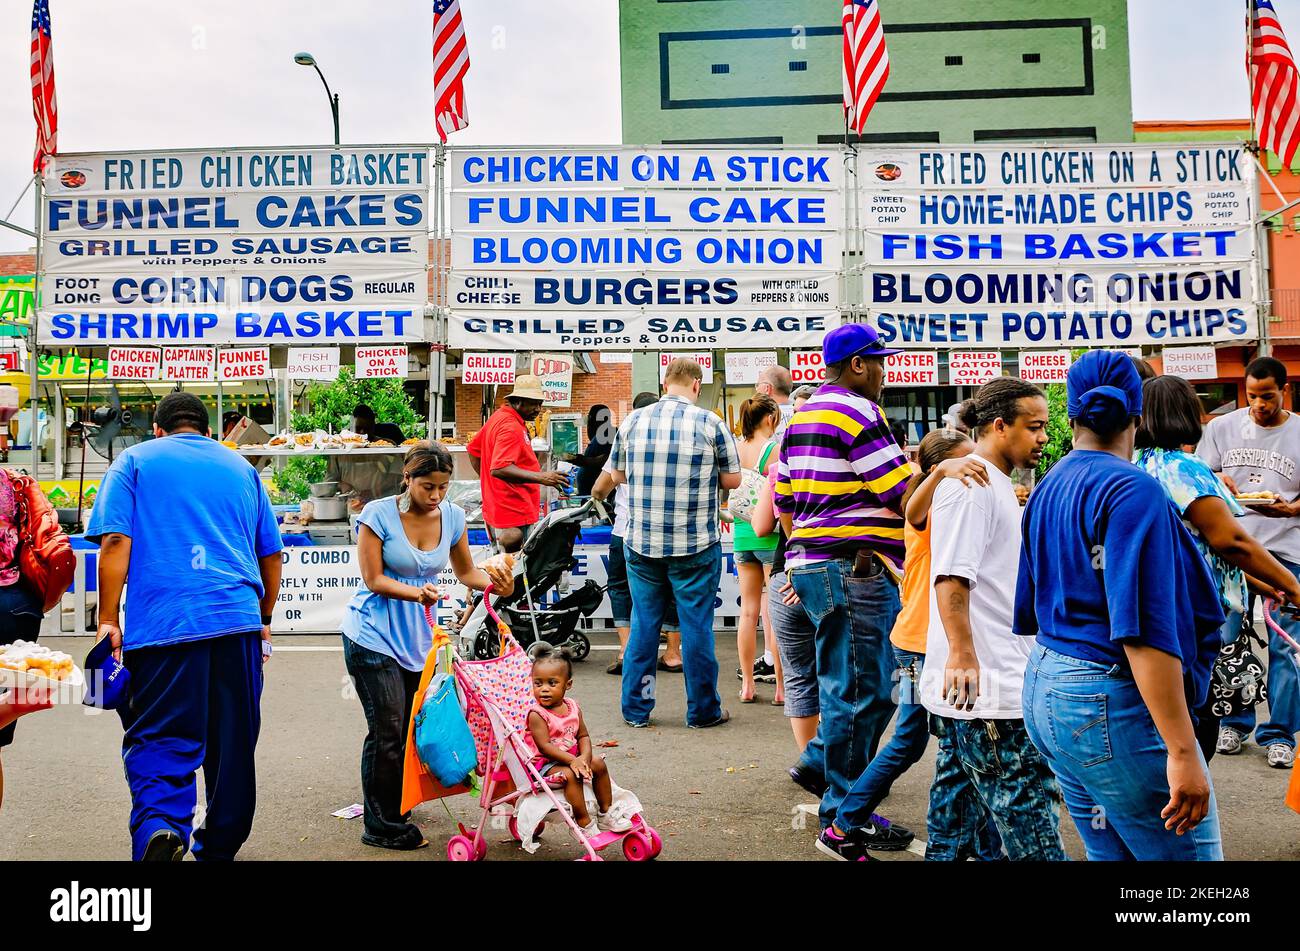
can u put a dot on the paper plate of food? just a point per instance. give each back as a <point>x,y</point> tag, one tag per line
<point>25,664</point>
<point>1257,498</point>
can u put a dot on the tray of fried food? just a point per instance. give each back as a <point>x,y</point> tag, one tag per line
<point>27,664</point>
<point>1257,498</point>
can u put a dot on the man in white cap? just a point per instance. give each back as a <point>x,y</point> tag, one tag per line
<point>510,476</point>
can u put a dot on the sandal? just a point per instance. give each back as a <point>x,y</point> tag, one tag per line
<point>615,668</point>
<point>752,698</point>
<point>671,668</point>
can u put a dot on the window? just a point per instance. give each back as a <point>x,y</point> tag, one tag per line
<point>1031,57</point>
<point>721,69</point>
<point>798,66</point>
<point>952,61</point>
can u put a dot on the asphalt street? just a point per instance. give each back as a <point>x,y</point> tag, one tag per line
<point>721,793</point>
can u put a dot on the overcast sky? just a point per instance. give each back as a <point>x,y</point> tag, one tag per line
<point>136,74</point>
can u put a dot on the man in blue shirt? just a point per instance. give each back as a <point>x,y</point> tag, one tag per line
<point>188,523</point>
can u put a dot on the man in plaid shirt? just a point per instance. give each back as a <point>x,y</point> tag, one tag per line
<point>673,457</point>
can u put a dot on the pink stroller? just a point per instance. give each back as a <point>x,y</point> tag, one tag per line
<point>497,694</point>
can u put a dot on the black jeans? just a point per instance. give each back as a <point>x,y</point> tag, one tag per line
<point>20,620</point>
<point>386,690</point>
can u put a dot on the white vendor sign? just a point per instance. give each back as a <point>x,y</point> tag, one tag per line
<point>1191,363</point>
<point>1044,366</point>
<point>313,363</point>
<point>235,246</point>
<point>1059,246</point>
<point>743,367</point>
<point>913,368</point>
<point>806,367</point>
<point>317,582</point>
<point>973,367</point>
<point>488,369</point>
<point>643,248</point>
<point>555,371</point>
<point>187,364</point>
<point>705,360</point>
<point>133,363</point>
<point>244,363</point>
<point>376,362</point>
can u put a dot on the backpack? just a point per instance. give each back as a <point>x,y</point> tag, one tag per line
<point>45,558</point>
<point>442,736</point>
<point>744,497</point>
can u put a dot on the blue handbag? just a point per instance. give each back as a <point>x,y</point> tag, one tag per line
<point>442,737</point>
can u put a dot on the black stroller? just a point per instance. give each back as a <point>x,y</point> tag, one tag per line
<point>546,557</point>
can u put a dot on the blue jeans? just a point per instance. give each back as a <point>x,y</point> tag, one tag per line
<point>989,769</point>
<point>1094,729</point>
<point>855,667</point>
<point>620,596</point>
<point>693,582</point>
<point>796,642</point>
<point>195,705</point>
<point>911,733</point>
<point>960,826</point>
<point>1283,686</point>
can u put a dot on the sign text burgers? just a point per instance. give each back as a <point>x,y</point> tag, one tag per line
<point>644,249</point>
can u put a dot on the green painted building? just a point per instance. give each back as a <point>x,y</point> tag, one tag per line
<point>768,71</point>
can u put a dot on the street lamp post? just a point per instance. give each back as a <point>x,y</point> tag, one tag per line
<point>306,59</point>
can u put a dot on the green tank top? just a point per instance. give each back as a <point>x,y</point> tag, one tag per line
<point>742,535</point>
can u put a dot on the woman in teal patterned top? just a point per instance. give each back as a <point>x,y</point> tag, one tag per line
<point>1171,419</point>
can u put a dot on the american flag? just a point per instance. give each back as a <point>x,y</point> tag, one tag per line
<point>1273,83</point>
<point>450,64</point>
<point>866,60</point>
<point>43,106</point>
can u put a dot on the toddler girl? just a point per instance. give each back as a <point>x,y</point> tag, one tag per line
<point>559,735</point>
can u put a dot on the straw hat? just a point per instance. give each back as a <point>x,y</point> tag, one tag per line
<point>527,387</point>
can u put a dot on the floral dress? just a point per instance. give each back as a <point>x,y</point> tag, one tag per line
<point>1186,478</point>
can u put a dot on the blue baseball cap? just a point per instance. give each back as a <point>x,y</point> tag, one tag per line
<point>854,340</point>
<point>107,679</point>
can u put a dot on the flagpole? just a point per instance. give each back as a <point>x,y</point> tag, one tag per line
<point>1250,70</point>
<point>33,325</point>
<point>1261,231</point>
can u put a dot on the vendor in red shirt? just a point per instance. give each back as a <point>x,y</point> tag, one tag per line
<point>509,474</point>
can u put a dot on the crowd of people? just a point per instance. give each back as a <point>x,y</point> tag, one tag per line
<point>1060,648</point>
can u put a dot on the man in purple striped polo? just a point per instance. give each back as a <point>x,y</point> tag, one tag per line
<point>839,492</point>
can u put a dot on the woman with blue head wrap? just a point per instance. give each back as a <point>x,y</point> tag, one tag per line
<point>1127,617</point>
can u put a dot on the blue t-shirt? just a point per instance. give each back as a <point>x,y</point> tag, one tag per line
<point>1106,559</point>
<point>387,625</point>
<point>198,519</point>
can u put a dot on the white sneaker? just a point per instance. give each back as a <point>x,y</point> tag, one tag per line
<point>590,830</point>
<point>1229,741</point>
<point>613,821</point>
<point>1280,756</point>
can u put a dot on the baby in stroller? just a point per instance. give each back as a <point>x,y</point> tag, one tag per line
<point>559,735</point>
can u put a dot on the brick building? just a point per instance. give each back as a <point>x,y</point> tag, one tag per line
<point>610,385</point>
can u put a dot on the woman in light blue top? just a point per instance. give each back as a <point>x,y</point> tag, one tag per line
<point>1171,419</point>
<point>404,544</point>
